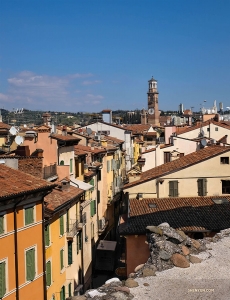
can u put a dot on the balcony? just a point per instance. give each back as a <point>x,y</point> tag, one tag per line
<point>73,228</point>
<point>50,172</point>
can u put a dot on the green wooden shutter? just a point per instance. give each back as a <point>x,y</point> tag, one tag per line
<point>70,261</point>
<point>62,225</point>
<point>61,259</point>
<point>2,279</point>
<point>30,264</point>
<point>94,207</point>
<point>70,292</point>
<point>62,293</point>
<point>91,208</point>
<point>29,215</point>
<point>47,235</point>
<point>48,273</point>
<point>1,224</point>
<point>71,165</point>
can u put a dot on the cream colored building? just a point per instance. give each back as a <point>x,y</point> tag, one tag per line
<point>201,173</point>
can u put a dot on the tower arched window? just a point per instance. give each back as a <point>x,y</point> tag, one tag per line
<point>62,163</point>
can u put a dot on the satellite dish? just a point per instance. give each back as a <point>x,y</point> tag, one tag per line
<point>19,140</point>
<point>203,142</point>
<point>89,131</point>
<point>151,111</point>
<point>13,130</point>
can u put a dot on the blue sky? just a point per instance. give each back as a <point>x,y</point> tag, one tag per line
<point>89,55</point>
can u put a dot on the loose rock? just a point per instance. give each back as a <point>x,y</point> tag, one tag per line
<point>185,250</point>
<point>130,283</point>
<point>148,272</point>
<point>180,261</point>
<point>194,259</point>
<point>155,229</point>
<point>138,267</point>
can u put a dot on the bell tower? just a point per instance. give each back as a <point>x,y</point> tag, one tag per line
<point>153,112</point>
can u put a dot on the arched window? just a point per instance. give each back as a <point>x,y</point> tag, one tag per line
<point>62,163</point>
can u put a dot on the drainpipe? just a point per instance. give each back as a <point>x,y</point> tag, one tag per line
<point>16,248</point>
<point>44,249</point>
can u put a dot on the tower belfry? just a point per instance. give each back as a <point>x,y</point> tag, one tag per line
<point>153,111</point>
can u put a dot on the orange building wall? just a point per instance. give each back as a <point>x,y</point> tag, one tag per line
<point>48,145</point>
<point>137,252</point>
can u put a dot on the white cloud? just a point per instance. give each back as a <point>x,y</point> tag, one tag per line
<point>30,90</point>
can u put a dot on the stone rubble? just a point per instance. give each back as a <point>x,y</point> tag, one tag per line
<point>168,248</point>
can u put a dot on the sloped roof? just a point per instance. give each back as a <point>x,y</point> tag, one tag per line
<point>65,138</point>
<point>58,197</point>
<point>14,183</point>
<point>4,126</point>
<point>180,163</point>
<point>187,214</point>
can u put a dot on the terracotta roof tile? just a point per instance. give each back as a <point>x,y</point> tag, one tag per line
<point>66,138</point>
<point>14,182</point>
<point>4,126</point>
<point>188,214</point>
<point>180,163</point>
<point>58,196</point>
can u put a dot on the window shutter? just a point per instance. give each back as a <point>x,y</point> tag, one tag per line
<point>61,259</point>
<point>175,188</point>
<point>48,273</point>
<point>77,243</point>
<point>47,235</point>
<point>70,294</point>
<point>30,264</point>
<point>171,189</point>
<point>1,224</point>
<point>2,279</point>
<point>80,241</point>
<point>69,253</point>
<point>108,166</point>
<point>91,208</point>
<point>71,165</point>
<point>61,225</point>
<point>200,187</point>
<point>94,207</point>
<point>205,187</point>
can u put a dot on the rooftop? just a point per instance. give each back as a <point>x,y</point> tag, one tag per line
<point>180,163</point>
<point>187,214</point>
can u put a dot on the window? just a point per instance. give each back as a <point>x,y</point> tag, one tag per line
<point>62,163</point>
<point>225,186</point>
<point>47,235</point>
<point>108,166</point>
<point>92,183</point>
<point>82,166</point>
<point>224,160</point>
<point>202,187</point>
<point>29,215</point>
<point>70,290</point>
<point>208,129</point>
<point>61,219</point>
<point>30,264</point>
<point>2,227</point>
<point>92,230</point>
<point>61,259</point>
<point>2,278</point>
<point>167,157</point>
<point>71,165</point>
<point>216,128</point>
<point>48,273</point>
<point>98,196</point>
<point>67,220</point>
<point>173,188</point>
<point>92,208</point>
<point>99,175</point>
<point>79,239</point>
<point>62,293</point>
<point>70,258</point>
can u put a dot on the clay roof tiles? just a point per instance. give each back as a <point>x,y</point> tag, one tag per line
<point>187,214</point>
<point>180,163</point>
<point>14,183</point>
<point>65,138</point>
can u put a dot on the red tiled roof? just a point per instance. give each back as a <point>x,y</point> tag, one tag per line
<point>4,126</point>
<point>81,150</point>
<point>187,214</point>
<point>65,138</point>
<point>14,183</point>
<point>197,126</point>
<point>58,196</point>
<point>181,163</point>
<point>137,128</point>
<point>113,139</point>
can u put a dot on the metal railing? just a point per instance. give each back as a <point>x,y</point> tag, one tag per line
<point>72,229</point>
